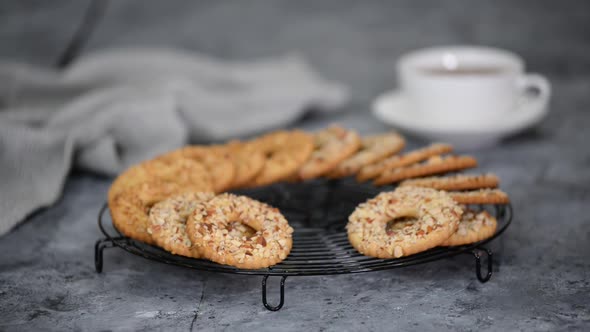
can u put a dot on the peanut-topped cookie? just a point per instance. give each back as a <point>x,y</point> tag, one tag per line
<point>372,171</point>
<point>422,218</point>
<point>130,208</point>
<point>332,145</point>
<point>455,182</point>
<point>482,196</point>
<point>474,227</point>
<point>373,149</point>
<point>168,222</point>
<point>248,162</point>
<point>215,159</point>
<point>285,152</point>
<point>434,165</point>
<point>181,171</point>
<point>207,229</point>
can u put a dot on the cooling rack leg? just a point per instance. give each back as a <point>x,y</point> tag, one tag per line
<point>282,300</point>
<point>98,248</point>
<point>477,254</point>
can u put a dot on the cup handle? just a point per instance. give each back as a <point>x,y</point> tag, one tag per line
<point>535,91</point>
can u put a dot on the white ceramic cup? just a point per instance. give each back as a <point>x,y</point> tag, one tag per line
<point>468,86</point>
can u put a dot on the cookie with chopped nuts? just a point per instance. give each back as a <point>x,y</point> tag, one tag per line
<point>433,165</point>
<point>181,171</point>
<point>422,218</point>
<point>373,149</point>
<point>248,162</point>
<point>284,152</point>
<point>455,182</point>
<point>129,209</point>
<point>269,245</point>
<point>372,171</point>
<point>216,160</point>
<point>332,145</point>
<point>482,196</point>
<point>167,225</point>
<point>474,227</point>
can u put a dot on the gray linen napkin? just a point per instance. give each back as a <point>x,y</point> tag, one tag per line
<point>113,109</point>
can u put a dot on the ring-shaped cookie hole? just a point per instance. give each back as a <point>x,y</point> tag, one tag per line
<point>239,230</point>
<point>399,223</point>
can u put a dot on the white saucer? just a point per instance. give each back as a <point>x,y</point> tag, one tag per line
<point>394,109</point>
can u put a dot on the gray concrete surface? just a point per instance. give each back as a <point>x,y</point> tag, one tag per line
<point>541,279</point>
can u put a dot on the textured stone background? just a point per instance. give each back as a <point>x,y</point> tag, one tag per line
<point>541,281</point>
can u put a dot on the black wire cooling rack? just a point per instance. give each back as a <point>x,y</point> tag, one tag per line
<point>318,211</point>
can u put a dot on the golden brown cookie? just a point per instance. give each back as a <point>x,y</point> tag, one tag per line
<point>285,152</point>
<point>455,182</point>
<point>167,222</point>
<point>216,159</point>
<point>482,196</point>
<point>207,229</point>
<point>423,218</point>
<point>248,162</point>
<point>332,145</point>
<point>130,207</point>
<point>474,227</point>
<point>374,170</point>
<point>179,170</point>
<point>373,149</point>
<point>434,165</point>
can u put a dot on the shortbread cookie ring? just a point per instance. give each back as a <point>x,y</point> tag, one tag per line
<point>216,159</point>
<point>374,170</point>
<point>332,145</point>
<point>373,149</point>
<point>179,170</point>
<point>285,152</point>
<point>248,162</point>
<point>130,208</point>
<point>207,229</point>
<point>434,165</point>
<point>167,225</point>
<point>474,227</point>
<point>434,217</point>
<point>455,182</point>
<point>482,196</point>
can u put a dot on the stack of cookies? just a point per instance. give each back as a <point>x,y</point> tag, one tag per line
<point>175,200</point>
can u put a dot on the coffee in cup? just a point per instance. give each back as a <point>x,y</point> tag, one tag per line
<point>467,86</point>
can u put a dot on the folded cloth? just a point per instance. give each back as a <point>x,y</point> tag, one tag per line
<point>113,109</point>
